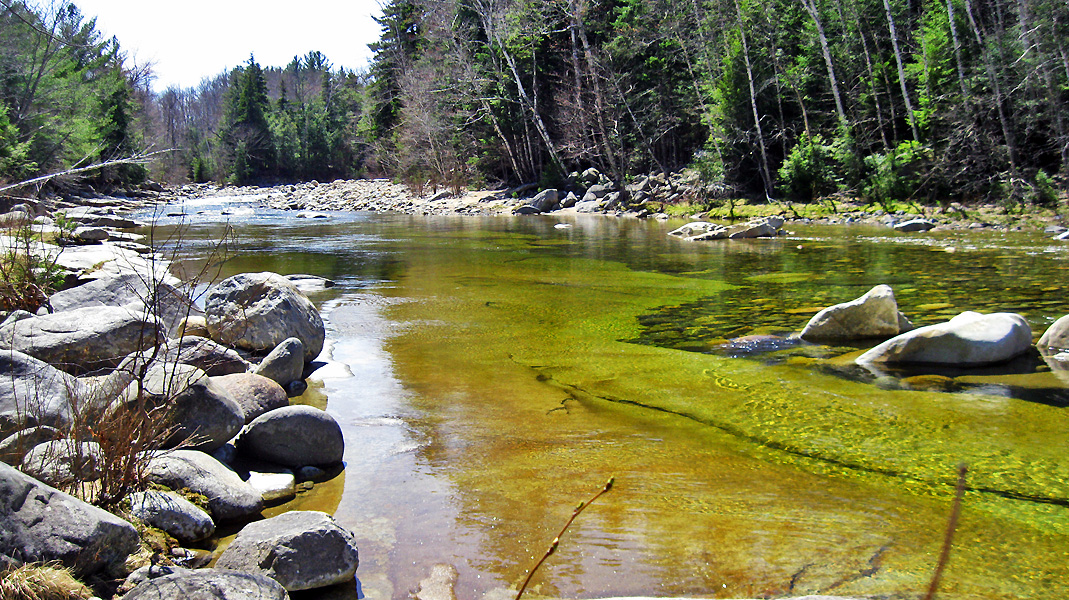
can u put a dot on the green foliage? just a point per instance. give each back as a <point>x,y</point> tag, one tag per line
<point>28,272</point>
<point>898,174</point>
<point>809,170</point>
<point>1043,191</point>
<point>246,132</point>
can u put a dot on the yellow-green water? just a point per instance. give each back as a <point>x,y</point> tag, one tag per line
<point>505,369</point>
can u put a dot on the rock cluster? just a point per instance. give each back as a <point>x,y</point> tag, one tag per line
<point>114,350</point>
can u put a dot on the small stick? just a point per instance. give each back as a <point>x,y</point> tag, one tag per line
<point>952,525</point>
<point>556,540</point>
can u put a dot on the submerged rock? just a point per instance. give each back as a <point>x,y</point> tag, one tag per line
<point>1056,338</point>
<point>173,514</point>
<point>294,436</point>
<point>969,339</point>
<point>229,498</point>
<point>915,225</point>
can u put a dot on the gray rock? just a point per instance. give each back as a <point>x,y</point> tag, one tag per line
<point>569,200</point>
<point>526,209</point>
<point>285,363</point>
<point>873,315</point>
<point>296,388</point>
<point>1056,338</point>
<point>229,498</point>
<point>257,311</point>
<point>255,394</point>
<point>915,225</point>
<point>209,584</point>
<point>61,462</point>
<point>588,206</point>
<point>132,290</point>
<point>83,339</point>
<point>202,412</point>
<point>694,228</point>
<point>546,200</point>
<point>90,234</point>
<point>39,523</point>
<point>212,358</point>
<point>33,392</point>
<point>99,217</point>
<point>294,436</point>
<point>969,339</point>
<point>173,514</point>
<point>146,573</point>
<point>310,283</point>
<point>302,550</point>
<point>758,228</point>
<point>15,446</point>
<point>1063,236</point>
<point>596,192</point>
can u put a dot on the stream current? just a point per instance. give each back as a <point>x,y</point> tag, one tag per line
<point>491,373</point>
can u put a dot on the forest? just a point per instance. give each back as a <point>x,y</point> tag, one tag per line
<point>932,101</point>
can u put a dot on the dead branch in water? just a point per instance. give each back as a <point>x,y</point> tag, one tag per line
<point>948,538</point>
<point>556,541</point>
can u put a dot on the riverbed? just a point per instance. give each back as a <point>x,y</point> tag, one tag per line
<point>490,373</point>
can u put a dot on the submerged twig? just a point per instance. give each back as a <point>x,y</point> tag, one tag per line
<point>556,541</point>
<point>948,539</point>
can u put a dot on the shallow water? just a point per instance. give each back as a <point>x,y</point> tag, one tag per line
<point>503,369</point>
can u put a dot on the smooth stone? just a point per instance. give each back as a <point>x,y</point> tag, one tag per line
<point>293,436</point>
<point>172,513</point>
<point>758,228</point>
<point>33,392</point>
<point>255,394</point>
<point>300,549</point>
<point>134,291</point>
<point>203,413</point>
<point>1055,338</point>
<point>285,363</point>
<point>969,339</point>
<point>212,358</point>
<point>208,584</point>
<point>874,314</point>
<point>274,487</point>
<point>229,498</point>
<point>39,523</point>
<point>915,225</point>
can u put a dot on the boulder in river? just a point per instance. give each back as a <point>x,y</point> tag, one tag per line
<point>758,228</point>
<point>212,358</point>
<point>202,412</point>
<point>257,311</point>
<point>875,314</point>
<point>294,436</point>
<point>915,225</point>
<point>285,363</point>
<point>173,514</point>
<point>132,290</point>
<point>64,461</point>
<point>33,392</point>
<point>302,550</point>
<point>969,340</point>
<point>39,523</point>
<point>1056,338</point>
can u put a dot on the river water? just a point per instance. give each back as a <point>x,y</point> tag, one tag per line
<point>492,373</point>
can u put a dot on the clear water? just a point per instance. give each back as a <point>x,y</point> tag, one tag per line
<point>501,370</point>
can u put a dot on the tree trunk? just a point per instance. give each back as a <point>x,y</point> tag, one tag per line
<point>765,175</point>
<point>811,8</point>
<point>901,71</point>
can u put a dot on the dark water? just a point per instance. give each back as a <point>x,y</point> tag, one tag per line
<point>499,371</point>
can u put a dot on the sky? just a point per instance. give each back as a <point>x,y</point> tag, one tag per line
<point>190,40</point>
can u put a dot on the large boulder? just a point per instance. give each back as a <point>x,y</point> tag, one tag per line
<point>172,513</point>
<point>208,584</point>
<point>255,394</point>
<point>39,523</point>
<point>285,363</point>
<point>1056,338</point>
<point>915,225</point>
<point>132,290</point>
<point>293,436</point>
<point>208,356</point>
<point>203,414</point>
<point>258,311</point>
<point>873,315</point>
<point>33,392</point>
<point>83,339</point>
<point>700,231</point>
<point>229,498</point>
<point>969,339</point>
<point>302,550</point>
<point>544,201</point>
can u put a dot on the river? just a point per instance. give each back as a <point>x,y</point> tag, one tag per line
<point>492,373</point>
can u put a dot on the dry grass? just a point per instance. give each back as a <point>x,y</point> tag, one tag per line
<point>41,582</point>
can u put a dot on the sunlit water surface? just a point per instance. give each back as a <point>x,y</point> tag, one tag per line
<point>495,372</point>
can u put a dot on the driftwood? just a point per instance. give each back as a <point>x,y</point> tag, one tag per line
<point>138,159</point>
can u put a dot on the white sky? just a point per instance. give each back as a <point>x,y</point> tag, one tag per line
<point>189,40</point>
